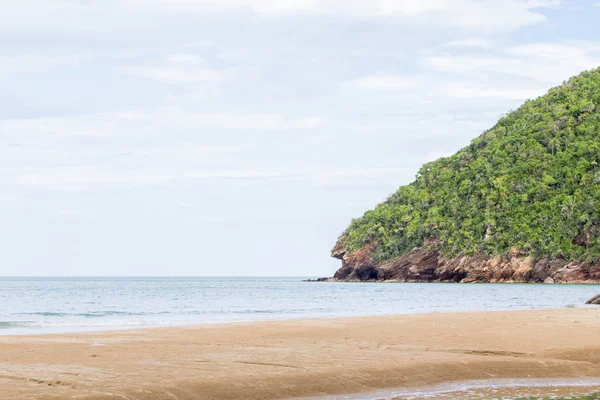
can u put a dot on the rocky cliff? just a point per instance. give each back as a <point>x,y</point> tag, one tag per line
<point>424,264</point>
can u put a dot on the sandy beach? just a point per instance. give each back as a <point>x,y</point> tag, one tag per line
<point>301,358</point>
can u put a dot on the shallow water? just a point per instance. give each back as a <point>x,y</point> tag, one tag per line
<point>588,397</point>
<point>45,305</point>
<point>505,389</point>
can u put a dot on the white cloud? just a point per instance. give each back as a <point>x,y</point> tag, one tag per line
<point>492,15</point>
<point>138,123</point>
<point>180,69</point>
<point>467,64</point>
<point>185,150</point>
<point>92,176</point>
<point>577,52</point>
<point>23,64</point>
<point>247,121</point>
<point>473,91</point>
<point>11,198</point>
<point>175,117</point>
<point>473,13</point>
<point>385,82</point>
<point>178,75</point>
<point>119,16</point>
<point>69,211</point>
<point>139,148</point>
<point>471,42</point>
<point>549,63</point>
<point>355,8</point>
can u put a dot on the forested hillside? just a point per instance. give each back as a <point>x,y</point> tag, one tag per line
<point>532,183</point>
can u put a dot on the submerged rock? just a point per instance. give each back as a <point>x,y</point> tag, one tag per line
<point>321,280</point>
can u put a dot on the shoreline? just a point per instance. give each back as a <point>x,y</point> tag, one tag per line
<point>428,263</point>
<point>479,389</point>
<point>302,357</point>
<point>508,282</point>
<point>33,332</point>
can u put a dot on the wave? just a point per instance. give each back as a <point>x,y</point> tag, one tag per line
<point>90,314</point>
<point>15,324</point>
<point>76,324</point>
<point>43,314</point>
<point>282,311</point>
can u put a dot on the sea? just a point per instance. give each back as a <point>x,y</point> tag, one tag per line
<point>57,305</point>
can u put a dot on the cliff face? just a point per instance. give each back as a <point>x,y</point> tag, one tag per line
<point>521,203</point>
<point>427,265</point>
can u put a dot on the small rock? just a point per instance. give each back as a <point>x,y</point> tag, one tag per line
<point>594,300</point>
<point>548,280</point>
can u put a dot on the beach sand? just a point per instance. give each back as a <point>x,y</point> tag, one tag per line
<point>301,358</point>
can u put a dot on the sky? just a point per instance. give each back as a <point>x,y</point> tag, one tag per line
<point>240,137</point>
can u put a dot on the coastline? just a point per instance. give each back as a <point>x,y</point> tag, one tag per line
<point>302,358</point>
<point>508,282</point>
<point>428,264</point>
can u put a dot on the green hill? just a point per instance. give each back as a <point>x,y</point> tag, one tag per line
<point>532,183</point>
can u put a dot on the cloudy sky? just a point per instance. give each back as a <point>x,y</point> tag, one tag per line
<point>240,137</point>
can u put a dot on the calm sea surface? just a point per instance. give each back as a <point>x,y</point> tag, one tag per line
<point>46,305</point>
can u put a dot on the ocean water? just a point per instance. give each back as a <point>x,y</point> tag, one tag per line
<point>50,305</point>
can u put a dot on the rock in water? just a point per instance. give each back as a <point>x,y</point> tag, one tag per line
<point>594,300</point>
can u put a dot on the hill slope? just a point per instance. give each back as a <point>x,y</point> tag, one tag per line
<point>520,203</point>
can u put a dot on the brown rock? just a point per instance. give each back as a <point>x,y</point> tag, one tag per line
<point>594,300</point>
<point>425,264</point>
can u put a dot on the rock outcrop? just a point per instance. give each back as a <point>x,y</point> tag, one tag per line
<point>594,300</point>
<point>423,264</point>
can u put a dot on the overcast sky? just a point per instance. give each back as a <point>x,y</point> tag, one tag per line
<point>240,137</point>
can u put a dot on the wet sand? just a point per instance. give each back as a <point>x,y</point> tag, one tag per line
<point>302,358</point>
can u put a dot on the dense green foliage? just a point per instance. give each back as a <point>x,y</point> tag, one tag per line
<point>531,182</point>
